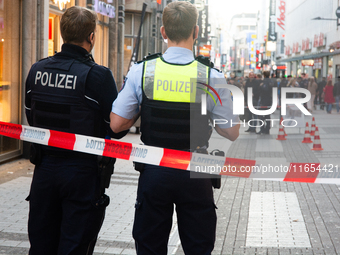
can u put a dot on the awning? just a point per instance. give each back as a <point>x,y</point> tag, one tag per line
<point>335,45</point>
<point>309,56</point>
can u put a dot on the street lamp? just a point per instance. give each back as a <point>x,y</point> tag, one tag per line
<point>319,18</point>
<point>337,13</point>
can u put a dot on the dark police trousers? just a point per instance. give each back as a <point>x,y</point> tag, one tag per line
<point>64,217</point>
<point>159,188</point>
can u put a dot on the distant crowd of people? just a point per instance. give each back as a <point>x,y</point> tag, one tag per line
<point>323,93</point>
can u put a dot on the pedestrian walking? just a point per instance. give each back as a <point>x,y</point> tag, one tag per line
<point>69,92</point>
<point>292,83</point>
<point>254,84</point>
<point>266,101</point>
<point>165,122</point>
<point>312,87</point>
<point>320,93</point>
<point>329,99</point>
<point>336,93</point>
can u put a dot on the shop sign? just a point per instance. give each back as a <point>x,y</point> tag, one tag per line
<point>281,14</point>
<point>316,41</point>
<point>317,63</point>
<point>272,35</point>
<point>307,62</point>
<point>281,67</point>
<point>205,50</point>
<point>303,47</point>
<point>305,44</point>
<point>296,48</point>
<point>104,8</point>
<point>321,39</point>
<point>287,52</point>
<point>251,37</point>
<point>203,24</point>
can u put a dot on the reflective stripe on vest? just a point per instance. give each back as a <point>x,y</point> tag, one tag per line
<point>174,83</point>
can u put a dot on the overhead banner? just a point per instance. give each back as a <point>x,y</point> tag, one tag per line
<point>272,21</point>
<point>281,17</point>
<point>251,42</point>
<point>203,25</point>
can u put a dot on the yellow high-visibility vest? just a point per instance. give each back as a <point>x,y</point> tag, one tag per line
<point>163,81</point>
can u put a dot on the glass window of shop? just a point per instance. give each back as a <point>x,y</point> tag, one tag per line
<point>55,40</point>
<point>54,37</point>
<point>317,68</point>
<point>298,68</point>
<point>330,68</point>
<point>101,47</point>
<point>132,24</point>
<point>10,88</point>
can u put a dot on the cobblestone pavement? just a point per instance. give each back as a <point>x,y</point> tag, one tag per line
<point>254,216</point>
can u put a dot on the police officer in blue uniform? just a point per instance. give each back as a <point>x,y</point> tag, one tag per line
<point>160,89</point>
<point>69,92</point>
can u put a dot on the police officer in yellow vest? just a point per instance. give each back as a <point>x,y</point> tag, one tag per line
<point>167,92</point>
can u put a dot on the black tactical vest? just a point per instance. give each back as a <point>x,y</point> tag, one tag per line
<point>58,96</point>
<point>173,125</point>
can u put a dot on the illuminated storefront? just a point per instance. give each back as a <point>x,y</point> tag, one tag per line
<point>132,25</point>
<point>29,31</point>
<point>9,73</point>
<point>101,49</point>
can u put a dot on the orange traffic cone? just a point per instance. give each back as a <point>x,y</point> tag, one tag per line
<point>284,131</point>
<point>312,131</point>
<point>307,139</point>
<point>281,135</point>
<point>317,141</point>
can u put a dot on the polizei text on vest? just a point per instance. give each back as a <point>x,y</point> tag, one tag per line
<point>59,80</point>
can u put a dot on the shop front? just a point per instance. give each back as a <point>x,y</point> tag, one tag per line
<point>10,88</point>
<point>27,34</point>
<point>101,49</point>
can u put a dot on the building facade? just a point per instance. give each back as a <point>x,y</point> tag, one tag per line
<point>311,44</point>
<point>243,42</point>
<point>29,31</point>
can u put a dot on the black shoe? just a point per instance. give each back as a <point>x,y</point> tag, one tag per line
<point>265,132</point>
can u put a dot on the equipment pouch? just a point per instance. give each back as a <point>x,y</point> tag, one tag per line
<point>138,166</point>
<point>35,154</point>
<point>216,180</point>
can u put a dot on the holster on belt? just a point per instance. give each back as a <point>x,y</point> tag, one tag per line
<point>138,166</point>
<point>106,169</point>
<point>35,154</point>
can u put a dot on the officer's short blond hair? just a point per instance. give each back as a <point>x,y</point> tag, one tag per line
<point>77,23</point>
<point>179,20</point>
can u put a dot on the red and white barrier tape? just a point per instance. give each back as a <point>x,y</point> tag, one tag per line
<point>196,162</point>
